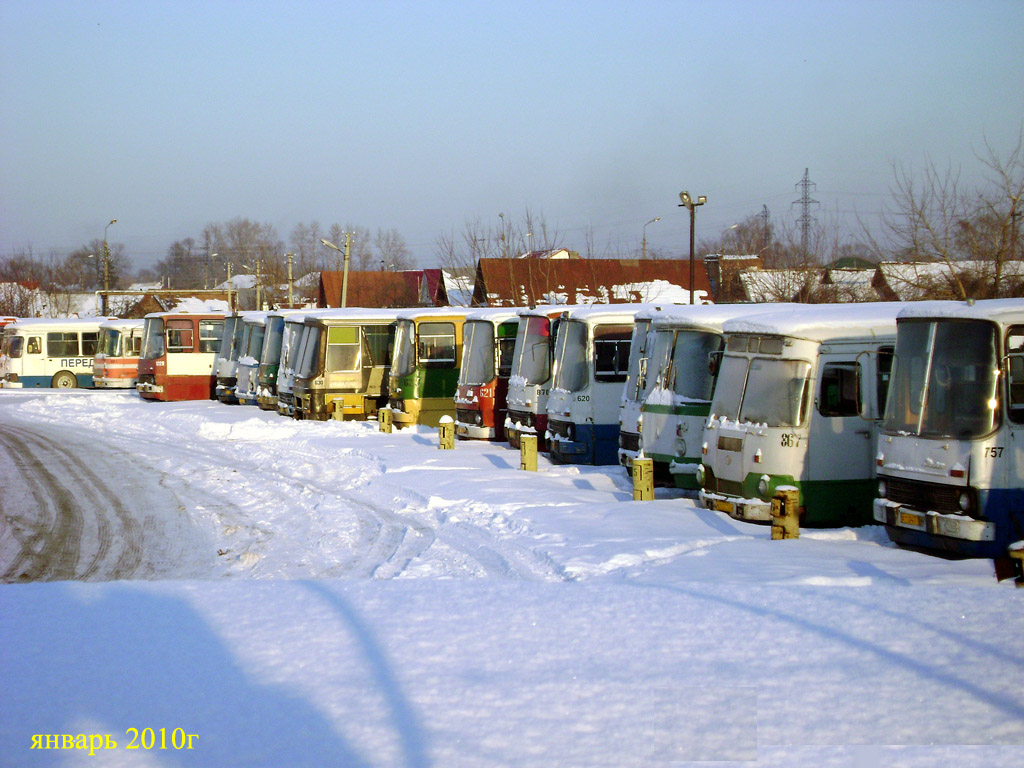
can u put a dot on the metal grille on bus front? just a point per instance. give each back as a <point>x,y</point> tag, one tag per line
<point>560,428</point>
<point>629,441</point>
<point>522,417</point>
<point>923,496</point>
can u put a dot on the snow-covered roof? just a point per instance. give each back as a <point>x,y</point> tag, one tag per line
<point>609,312</point>
<point>427,312</point>
<point>1001,310</point>
<point>354,314</point>
<point>765,285</point>
<point>496,315</point>
<point>822,321</point>
<point>710,316</point>
<point>122,324</point>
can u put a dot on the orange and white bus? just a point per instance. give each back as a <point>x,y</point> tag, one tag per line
<point>178,353</point>
<point>116,363</point>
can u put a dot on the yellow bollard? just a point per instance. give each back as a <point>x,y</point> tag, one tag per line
<point>446,433</point>
<point>385,419</point>
<point>786,513</point>
<point>1017,558</point>
<point>528,452</point>
<point>643,479</point>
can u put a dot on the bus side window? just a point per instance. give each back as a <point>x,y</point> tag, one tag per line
<point>1015,377</point>
<point>885,355</point>
<point>34,345</point>
<point>179,336</point>
<point>89,339</point>
<point>840,390</point>
<point>62,344</point>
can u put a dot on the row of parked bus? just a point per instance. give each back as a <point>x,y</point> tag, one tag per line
<point>903,414</point>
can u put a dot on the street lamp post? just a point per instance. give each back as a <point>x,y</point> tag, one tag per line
<point>691,204</point>
<point>644,250</point>
<point>106,268</point>
<point>346,253</point>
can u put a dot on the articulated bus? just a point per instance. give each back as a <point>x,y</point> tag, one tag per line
<point>43,352</point>
<point>116,363</point>
<point>480,400</point>
<point>950,458</point>
<point>343,364</point>
<point>591,360</point>
<point>798,402</point>
<point>272,356</point>
<point>248,371</point>
<point>532,367</point>
<point>178,353</point>
<point>425,365</point>
<point>667,396</point>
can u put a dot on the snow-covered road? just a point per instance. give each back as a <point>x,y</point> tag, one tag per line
<point>324,594</point>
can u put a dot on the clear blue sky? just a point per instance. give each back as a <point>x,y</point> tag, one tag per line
<point>419,116</point>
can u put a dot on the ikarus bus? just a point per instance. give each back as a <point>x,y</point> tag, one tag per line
<point>950,457</point>
<point>425,365</point>
<point>591,360</point>
<point>116,363</point>
<point>797,403</point>
<point>532,366</point>
<point>636,387</point>
<point>247,374</point>
<point>489,338</point>
<point>226,370</point>
<point>668,390</point>
<point>271,357</point>
<point>291,347</point>
<point>178,351</point>
<point>343,364</point>
<point>44,352</point>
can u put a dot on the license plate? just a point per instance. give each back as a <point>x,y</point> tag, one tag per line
<point>725,506</point>
<point>909,518</point>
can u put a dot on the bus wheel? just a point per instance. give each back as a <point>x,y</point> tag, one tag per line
<point>64,380</point>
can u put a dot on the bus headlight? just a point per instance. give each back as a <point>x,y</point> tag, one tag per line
<point>882,490</point>
<point>762,485</point>
<point>700,475</point>
<point>964,502</point>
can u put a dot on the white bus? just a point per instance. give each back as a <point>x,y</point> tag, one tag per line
<point>672,373</point>
<point>116,364</point>
<point>798,401</point>
<point>950,458</point>
<point>591,361</point>
<point>44,352</point>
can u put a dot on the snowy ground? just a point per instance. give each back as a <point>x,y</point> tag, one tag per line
<point>314,594</point>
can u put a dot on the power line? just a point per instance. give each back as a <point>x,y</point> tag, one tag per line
<point>805,220</point>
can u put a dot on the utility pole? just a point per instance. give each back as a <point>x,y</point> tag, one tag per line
<point>291,299</point>
<point>805,185</point>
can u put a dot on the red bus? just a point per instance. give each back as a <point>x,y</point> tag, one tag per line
<point>178,352</point>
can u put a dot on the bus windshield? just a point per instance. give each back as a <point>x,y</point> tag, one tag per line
<point>571,354</point>
<point>762,391</point>
<point>635,377</point>
<point>690,375</point>
<point>153,339</point>
<point>477,353</point>
<point>533,351</point>
<point>308,364</point>
<point>945,379</point>
<point>404,357</point>
<point>110,342</point>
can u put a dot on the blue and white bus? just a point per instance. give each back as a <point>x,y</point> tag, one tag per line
<point>45,352</point>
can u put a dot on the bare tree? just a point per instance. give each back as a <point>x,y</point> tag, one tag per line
<point>392,250</point>
<point>973,233</point>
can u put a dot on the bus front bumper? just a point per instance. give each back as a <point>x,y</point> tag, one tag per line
<point>894,515</point>
<point>741,509</point>
<point>145,386</point>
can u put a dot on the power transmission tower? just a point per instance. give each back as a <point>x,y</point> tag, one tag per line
<point>805,185</point>
<point>765,232</point>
